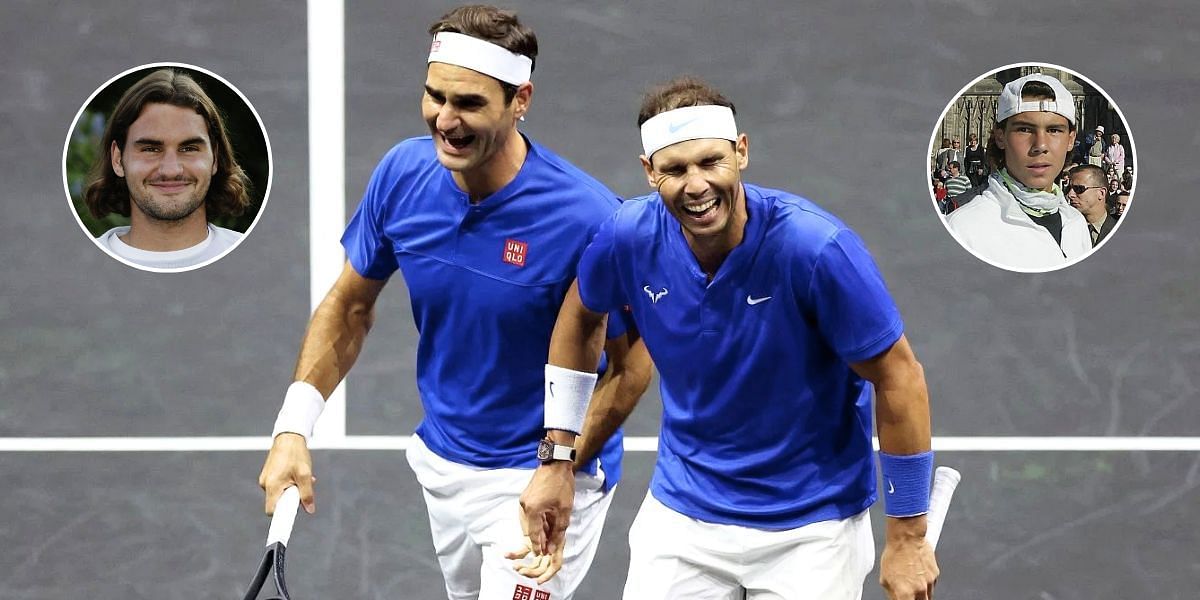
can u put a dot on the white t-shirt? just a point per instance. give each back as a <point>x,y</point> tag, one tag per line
<point>218,241</point>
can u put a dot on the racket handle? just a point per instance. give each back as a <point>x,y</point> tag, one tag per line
<point>284,517</point>
<point>945,480</point>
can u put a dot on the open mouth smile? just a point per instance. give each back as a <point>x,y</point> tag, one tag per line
<point>702,209</point>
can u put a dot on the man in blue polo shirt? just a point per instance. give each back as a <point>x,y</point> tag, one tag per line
<point>769,323</point>
<point>487,228</point>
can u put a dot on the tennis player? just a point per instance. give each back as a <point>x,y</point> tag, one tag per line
<point>487,227</point>
<point>1021,220</point>
<point>770,325</point>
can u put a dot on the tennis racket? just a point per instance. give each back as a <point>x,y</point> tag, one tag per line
<point>272,565</point>
<point>945,480</point>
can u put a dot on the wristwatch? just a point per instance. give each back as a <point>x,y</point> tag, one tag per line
<point>548,451</point>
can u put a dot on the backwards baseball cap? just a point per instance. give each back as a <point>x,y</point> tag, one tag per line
<point>1012,104</point>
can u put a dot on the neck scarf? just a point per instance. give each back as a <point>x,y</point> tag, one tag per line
<point>1034,202</point>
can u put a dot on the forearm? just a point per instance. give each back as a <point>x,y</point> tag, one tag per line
<point>901,417</point>
<point>577,341</point>
<point>615,398</point>
<point>334,337</point>
<point>902,413</point>
<point>576,344</point>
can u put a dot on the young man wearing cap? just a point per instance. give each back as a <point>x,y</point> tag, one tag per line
<point>769,324</point>
<point>487,227</point>
<point>1021,221</point>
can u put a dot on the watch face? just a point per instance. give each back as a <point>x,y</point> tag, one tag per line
<point>545,450</point>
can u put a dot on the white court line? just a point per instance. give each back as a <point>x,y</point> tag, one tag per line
<point>326,173</point>
<point>632,444</point>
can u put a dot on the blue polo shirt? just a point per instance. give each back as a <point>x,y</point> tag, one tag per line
<point>764,423</point>
<point>485,282</point>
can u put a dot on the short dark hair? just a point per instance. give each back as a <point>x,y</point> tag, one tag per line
<point>229,192</point>
<point>495,25</point>
<point>1032,90</point>
<point>954,164</point>
<point>678,93</point>
<point>1093,172</point>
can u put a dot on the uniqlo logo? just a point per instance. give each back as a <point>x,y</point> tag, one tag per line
<point>523,592</point>
<point>541,595</point>
<point>514,252</point>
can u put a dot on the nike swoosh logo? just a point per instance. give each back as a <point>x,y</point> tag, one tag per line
<point>677,126</point>
<point>752,301</point>
<point>551,389</point>
<point>891,488</point>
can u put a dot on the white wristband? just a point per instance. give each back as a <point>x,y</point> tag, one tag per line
<point>301,407</point>
<point>567,395</point>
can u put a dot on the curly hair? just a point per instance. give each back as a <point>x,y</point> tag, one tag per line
<point>229,192</point>
<point>495,25</point>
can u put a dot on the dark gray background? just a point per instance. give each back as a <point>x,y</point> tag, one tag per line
<point>839,99</point>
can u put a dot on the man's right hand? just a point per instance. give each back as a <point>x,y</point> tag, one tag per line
<point>288,463</point>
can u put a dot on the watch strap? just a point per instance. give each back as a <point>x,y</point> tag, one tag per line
<point>549,451</point>
<point>560,452</point>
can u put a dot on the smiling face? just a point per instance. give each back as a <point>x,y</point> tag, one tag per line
<point>467,115</point>
<point>700,182</point>
<point>1035,146</point>
<point>167,162</point>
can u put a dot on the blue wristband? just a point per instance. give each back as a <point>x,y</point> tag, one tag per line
<point>906,483</point>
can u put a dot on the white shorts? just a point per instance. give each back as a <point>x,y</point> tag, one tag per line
<point>675,556</point>
<point>473,515</point>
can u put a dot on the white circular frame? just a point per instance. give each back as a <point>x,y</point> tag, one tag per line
<point>933,136</point>
<point>266,140</point>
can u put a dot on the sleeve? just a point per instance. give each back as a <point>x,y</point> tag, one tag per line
<point>853,309</point>
<point>619,322</point>
<point>599,287</point>
<point>367,246</point>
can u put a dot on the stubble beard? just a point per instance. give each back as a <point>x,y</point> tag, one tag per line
<point>168,211</point>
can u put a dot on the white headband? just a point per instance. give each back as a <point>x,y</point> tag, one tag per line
<point>688,123</point>
<point>481,56</point>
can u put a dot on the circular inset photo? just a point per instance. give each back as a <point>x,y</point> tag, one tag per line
<point>1031,167</point>
<point>167,167</point>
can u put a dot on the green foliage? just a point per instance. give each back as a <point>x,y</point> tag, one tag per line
<point>82,152</point>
